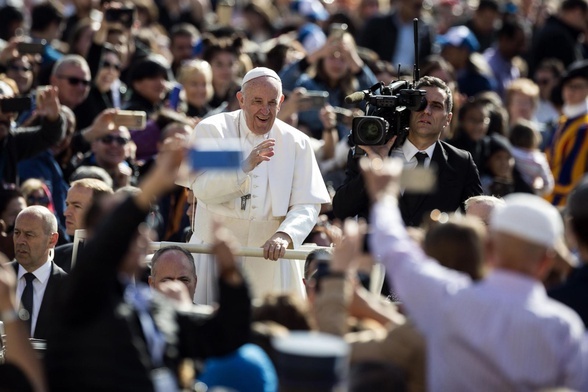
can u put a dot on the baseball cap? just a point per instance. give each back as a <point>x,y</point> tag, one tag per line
<point>459,36</point>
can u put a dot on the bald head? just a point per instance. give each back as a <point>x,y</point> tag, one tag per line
<point>35,234</point>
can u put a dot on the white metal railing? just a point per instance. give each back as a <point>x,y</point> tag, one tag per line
<point>292,254</point>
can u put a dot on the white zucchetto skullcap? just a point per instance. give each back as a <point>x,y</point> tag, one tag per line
<point>258,72</point>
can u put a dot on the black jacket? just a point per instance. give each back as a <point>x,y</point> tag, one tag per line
<point>54,285</point>
<point>380,34</point>
<point>558,40</point>
<point>99,344</point>
<point>574,292</point>
<point>457,180</point>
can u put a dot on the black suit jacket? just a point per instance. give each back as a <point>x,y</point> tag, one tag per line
<point>63,255</point>
<point>380,35</point>
<point>574,292</point>
<point>457,180</point>
<point>54,285</point>
<point>99,344</point>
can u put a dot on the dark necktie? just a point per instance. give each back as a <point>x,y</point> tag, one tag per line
<point>411,200</point>
<point>27,297</point>
<point>420,157</point>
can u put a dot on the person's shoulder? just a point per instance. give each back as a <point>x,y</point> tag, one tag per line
<point>288,131</point>
<point>58,272</point>
<point>453,152</point>
<point>216,124</point>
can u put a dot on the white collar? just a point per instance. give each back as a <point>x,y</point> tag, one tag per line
<point>42,273</point>
<point>571,111</point>
<point>409,150</point>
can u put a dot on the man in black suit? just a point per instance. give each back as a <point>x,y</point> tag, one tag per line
<point>79,198</point>
<point>39,279</point>
<point>574,292</point>
<point>457,175</point>
<point>113,334</point>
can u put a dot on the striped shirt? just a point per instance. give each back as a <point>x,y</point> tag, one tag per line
<point>500,334</point>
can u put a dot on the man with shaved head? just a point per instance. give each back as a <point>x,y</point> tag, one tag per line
<point>35,236</point>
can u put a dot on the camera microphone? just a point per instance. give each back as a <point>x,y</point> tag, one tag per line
<point>356,97</point>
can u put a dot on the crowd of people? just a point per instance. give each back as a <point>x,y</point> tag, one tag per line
<point>449,234</point>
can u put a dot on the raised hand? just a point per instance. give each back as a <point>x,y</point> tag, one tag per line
<point>260,153</point>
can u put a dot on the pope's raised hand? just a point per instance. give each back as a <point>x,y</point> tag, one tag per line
<point>260,153</point>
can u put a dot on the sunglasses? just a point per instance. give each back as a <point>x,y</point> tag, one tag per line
<point>543,82</point>
<point>74,81</point>
<point>32,200</point>
<point>108,139</point>
<point>22,68</point>
<point>108,64</point>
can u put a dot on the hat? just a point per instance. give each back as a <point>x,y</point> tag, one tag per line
<point>577,206</point>
<point>313,10</point>
<point>459,36</point>
<point>578,69</point>
<point>246,369</point>
<point>258,72</point>
<point>311,360</point>
<point>150,67</point>
<point>529,217</point>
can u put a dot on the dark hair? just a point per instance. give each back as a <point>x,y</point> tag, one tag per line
<point>491,5</point>
<point>6,196</point>
<point>170,248</point>
<point>524,134</point>
<point>431,81</point>
<point>9,15</point>
<point>569,5</point>
<point>43,15</point>
<point>457,244</point>
<point>580,229</point>
<point>511,25</point>
<point>213,45</point>
<point>284,309</point>
<point>314,255</point>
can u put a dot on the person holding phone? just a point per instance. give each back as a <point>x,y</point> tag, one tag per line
<point>105,91</point>
<point>335,68</point>
<point>16,145</point>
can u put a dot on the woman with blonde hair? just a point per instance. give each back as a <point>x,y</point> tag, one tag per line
<point>196,79</point>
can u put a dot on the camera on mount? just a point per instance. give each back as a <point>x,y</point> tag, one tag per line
<point>389,113</point>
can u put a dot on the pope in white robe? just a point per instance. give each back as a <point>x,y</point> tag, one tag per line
<point>271,201</point>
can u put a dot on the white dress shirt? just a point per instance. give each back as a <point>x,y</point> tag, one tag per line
<point>408,151</point>
<point>39,285</point>
<point>500,334</point>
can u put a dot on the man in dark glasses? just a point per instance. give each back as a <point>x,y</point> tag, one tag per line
<point>71,75</point>
<point>110,153</point>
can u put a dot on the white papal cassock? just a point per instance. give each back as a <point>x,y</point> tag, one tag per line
<point>286,194</point>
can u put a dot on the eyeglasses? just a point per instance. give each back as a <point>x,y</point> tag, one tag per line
<point>108,139</point>
<point>108,64</point>
<point>21,68</point>
<point>74,81</point>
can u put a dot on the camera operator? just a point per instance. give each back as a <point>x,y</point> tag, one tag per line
<point>456,174</point>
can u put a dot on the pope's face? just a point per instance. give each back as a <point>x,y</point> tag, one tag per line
<point>260,100</point>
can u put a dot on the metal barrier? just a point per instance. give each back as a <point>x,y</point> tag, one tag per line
<point>292,254</point>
